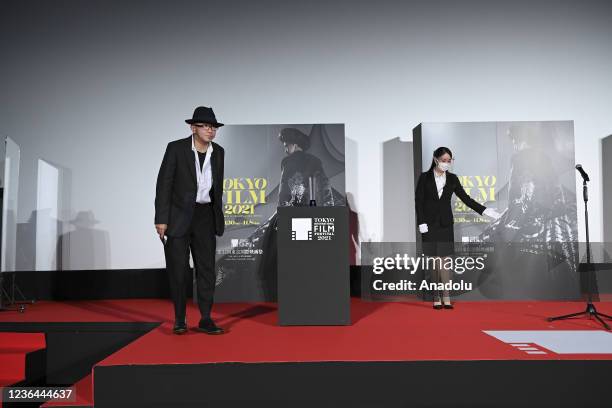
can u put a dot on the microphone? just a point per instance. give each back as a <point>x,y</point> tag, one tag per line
<point>582,173</point>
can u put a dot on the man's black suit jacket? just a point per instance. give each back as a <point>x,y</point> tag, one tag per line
<point>435,211</point>
<point>177,188</point>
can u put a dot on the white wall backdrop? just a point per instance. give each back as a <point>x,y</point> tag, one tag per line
<point>98,88</point>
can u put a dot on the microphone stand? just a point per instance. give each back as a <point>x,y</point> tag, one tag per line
<point>12,304</point>
<point>590,311</point>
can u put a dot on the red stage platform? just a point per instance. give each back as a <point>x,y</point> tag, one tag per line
<point>380,333</point>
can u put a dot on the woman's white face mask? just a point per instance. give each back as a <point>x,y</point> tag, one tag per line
<point>443,166</point>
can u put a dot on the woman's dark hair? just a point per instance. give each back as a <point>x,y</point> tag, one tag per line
<point>294,136</point>
<point>439,152</point>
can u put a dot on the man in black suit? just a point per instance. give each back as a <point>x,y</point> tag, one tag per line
<point>188,214</point>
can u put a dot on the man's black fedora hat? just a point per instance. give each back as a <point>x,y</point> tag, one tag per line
<point>203,114</point>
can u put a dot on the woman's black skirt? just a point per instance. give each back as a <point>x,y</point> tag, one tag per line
<point>438,241</point>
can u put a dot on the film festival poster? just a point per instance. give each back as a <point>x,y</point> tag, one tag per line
<point>524,170</point>
<point>260,175</point>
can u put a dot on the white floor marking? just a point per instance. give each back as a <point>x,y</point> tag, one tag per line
<point>559,341</point>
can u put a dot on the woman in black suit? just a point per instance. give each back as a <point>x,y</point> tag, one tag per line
<point>435,216</point>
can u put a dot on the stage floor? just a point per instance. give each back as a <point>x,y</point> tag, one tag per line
<point>388,346</point>
<point>380,332</point>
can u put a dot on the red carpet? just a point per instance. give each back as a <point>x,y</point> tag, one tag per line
<point>380,331</point>
<point>13,350</point>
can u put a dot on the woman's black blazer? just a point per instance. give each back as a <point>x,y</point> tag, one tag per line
<point>432,210</point>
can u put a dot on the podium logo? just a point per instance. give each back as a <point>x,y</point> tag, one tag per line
<point>241,243</point>
<point>301,229</point>
<point>313,229</point>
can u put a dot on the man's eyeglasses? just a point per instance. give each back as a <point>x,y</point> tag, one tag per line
<point>205,126</point>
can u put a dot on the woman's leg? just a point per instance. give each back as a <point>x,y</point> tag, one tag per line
<point>435,278</point>
<point>445,276</point>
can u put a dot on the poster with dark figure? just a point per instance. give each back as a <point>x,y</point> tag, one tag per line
<point>525,171</point>
<point>274,165</point>
<point>539,207</point>
<point>302,176</point>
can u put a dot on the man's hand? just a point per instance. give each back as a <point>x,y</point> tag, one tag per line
<point>161,230</point>
<point>423,228</point>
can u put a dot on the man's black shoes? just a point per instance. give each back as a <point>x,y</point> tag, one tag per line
<point>209,327</point>
<point>179,327</point>
<point>205,326</point>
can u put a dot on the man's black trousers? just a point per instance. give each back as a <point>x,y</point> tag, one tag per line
<point>201,240</point>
